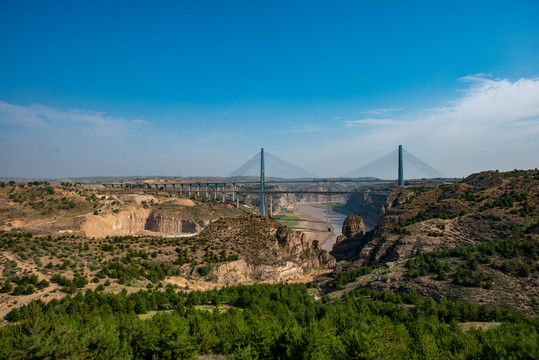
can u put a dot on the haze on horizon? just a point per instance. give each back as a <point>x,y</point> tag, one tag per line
<point>197,88</point>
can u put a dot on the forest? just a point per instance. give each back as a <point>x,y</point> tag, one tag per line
<point>280,321</point>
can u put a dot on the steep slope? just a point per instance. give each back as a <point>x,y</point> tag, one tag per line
<point>476,240</point>
<point>268,251</point>
<point>52,209</point>
<point>481,208</point>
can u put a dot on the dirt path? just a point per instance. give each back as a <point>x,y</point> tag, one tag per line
<point>8,302</point>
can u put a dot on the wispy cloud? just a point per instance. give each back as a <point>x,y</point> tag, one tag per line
<point>43,118</point>
<point>372,122</point>
<point>383,111</point>
<point>306,128</point>
<point>491,124</point>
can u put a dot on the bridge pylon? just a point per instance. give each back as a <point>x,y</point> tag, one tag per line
<point>401,167</point>
<point>262,184</point>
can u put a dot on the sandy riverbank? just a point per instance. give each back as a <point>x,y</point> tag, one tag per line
<point>314,224</point>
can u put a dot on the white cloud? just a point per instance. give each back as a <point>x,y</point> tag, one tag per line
<point>372,122</point>
<point>47,119</point>
<point>490,124</point>
<point>383,111</point>
<point>493,124</point>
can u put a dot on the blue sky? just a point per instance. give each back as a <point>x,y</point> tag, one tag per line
<point>196,88</point>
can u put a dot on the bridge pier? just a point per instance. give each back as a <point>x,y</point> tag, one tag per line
<point>262,185</point>
<point>207,191</point>
<point>233,192</point>
<point>224,192</point>
<point>173,187</point>
<point>198,190</point>
<point>329,213</point>
<point>190,188</point>
<point>215,195</point>
<point>156,187</point>
<point>165,187</point>
<point>401,167</point>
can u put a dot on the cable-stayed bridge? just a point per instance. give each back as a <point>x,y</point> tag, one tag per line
<point>294,174</point>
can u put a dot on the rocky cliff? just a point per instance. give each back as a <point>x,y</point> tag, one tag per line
<point>415,220</point>
<point>268,250</point>
<point>172,225</point>
<point>131,221</point>
<point>367,205</point>
<point>474,241</point>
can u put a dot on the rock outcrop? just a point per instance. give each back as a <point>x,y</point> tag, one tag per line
<point>353,234</point>
<point>171,225</point>
<point>416,220</point>
<point>270,252</point>
<point>353,227</point>
<point>130,221</point>
<point>137,220</point>
<point>367,205</point>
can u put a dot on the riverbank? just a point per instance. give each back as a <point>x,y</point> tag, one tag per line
<point>313,222</point>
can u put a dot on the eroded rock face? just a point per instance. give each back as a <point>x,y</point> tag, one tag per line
<point>297,246</point>
<point>241,272</point>
<point>368,205</point>
<point>270,252</point>
<point>127,222</point>
<point>170,225</point>
<point>353,227</point>
<point>137,220</point>
<point>420,220</point>
<point>294,242</point>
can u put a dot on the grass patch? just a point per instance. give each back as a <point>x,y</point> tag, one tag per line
<point>151,314</point>
<point>485,326</point>
<point>287,218</point>
<point>211,308</point>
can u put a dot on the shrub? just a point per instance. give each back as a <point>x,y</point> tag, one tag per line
<point>205,270</point>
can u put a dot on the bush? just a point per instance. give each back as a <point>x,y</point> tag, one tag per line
<point>205,270</point>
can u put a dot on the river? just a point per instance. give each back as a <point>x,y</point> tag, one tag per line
<point>314,223</point>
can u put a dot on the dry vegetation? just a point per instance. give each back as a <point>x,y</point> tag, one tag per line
<point>475,241</point>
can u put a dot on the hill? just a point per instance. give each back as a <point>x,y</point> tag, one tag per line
<point>476,240</point>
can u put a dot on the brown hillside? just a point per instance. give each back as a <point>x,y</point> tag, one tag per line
<point>476,240</point>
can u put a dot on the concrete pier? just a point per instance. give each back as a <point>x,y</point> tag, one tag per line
<point>401,168</point>
<point>262,185</point>
<point>224,193</point>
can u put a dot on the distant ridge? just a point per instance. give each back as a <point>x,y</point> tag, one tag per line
<point>274,167</point>
<point>385,167</point>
